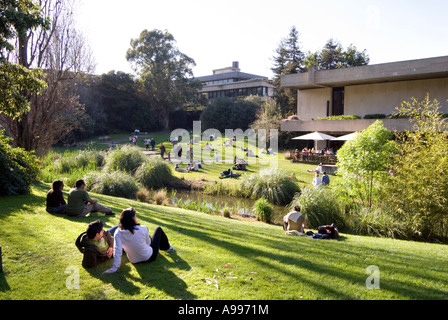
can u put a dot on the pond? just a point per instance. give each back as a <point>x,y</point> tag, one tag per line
<point>240,206</point>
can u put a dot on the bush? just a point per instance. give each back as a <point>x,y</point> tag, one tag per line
<point>273,184</point>
<point>18,168</point>
<point>379,223</point>
<point>161,197</point>
<point>320,207</point>
<point>127,159</point>
<point>226,212</point>
<point>154,173</point>
<point>116,183</point>
<point>143,195</point>
<point>375,116</point>
<point>264,210</point>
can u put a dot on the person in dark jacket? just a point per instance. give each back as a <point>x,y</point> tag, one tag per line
<point>55,198</point>
<point>96,244</point>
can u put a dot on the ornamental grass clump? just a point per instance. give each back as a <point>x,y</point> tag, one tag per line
<point>127,159</point>
<point>275,185</point>
<point>116,183</point>
<point>264,210</point>
<point>154,173</point>
<point>320,206</point>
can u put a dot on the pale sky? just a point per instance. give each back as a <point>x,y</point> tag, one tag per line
<point>215,33</point>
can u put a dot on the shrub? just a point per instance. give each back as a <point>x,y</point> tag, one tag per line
<point>375,116</point>
<point>116,183</point>
<point>379,223</point>
<point>154,173</point>
<point>320,207</point>
<point>143,195</point>
<point>273,184</point>
<point>127,159</point>
<point>161,197</point>
<point>264,210</point>
<point>226,212</point>
<point>18,168</point>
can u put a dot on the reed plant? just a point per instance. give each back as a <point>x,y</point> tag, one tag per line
<point>116,183</point>
<point>154,173</point>
<point>273,184</point>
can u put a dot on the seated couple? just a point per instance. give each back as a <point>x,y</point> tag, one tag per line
<point>79,202</point>
<point>98,245</point>
<point>190,167</point>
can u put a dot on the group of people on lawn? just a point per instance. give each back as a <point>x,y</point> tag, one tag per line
<point>98,245</point>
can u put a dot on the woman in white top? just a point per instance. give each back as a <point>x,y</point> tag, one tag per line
<point>135,240</point>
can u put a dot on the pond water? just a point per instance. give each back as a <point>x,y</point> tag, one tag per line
<point>240,206</point>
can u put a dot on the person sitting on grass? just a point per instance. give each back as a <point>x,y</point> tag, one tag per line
<point>325,179</point>
<point>294,221</point>
<point>96,244</point>
<point>136,241</point>
<point>80,204</point>
<point>55,198</point>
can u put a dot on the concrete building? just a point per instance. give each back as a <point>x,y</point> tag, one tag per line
<point>362,91</point>
<point>232,83</point>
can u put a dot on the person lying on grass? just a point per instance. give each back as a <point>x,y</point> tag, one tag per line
<point>135,240</point>
<point>80,204</point>
<point>96,244</point>
<point>55,198</point>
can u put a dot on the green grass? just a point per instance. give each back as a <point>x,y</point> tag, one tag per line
<point>246,260</point>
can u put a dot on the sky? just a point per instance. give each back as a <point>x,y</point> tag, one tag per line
<point>216,33</point>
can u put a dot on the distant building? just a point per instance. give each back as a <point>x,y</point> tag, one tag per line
<point>364,91</point>
<point>232,83</point>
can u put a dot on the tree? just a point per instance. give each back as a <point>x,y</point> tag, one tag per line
<point>61,51</point>
<point>333,56</point>
<point>289,59</point>
<point>363,163</point>
<point>165,73</point>
<point>224,113</point>
<point>418,191</point>
<point>16,18</point>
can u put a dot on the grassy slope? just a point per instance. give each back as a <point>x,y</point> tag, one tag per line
<point>38,247</point>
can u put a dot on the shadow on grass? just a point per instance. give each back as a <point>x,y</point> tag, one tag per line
<point>402,274</point>
<point>156,274</point>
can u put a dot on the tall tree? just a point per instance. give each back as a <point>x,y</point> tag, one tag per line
<point>333,56</point>
<point>165,73</point>
<point>61,51</point>
<point>289,59</point>
<point>16,18</point>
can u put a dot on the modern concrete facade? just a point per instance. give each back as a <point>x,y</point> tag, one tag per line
<point>366,90</point>
<point>232,83</point>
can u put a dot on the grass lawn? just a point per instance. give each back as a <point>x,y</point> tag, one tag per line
<point>216,258</point>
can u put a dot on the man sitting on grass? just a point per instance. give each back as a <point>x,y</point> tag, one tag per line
<point>80,204</point>
<point>95,244</point>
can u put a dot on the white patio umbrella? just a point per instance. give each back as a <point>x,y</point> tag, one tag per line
<point>347,137</point>
<point>315,136</point>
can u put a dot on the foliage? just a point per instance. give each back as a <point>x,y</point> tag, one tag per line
<point>126,158</point>
<point>224,113</point>
<point>418,191</point>
<point>342,117</point>
<point>18,168</point>
<point>115,183</point>
<point>375,116</point>
<point>264,210</point>
<point>16,18</point>
<point>273,184</point>
<point>61,51</point>
<point>161,197</point>
<point>165,73</point>
<point>333,56</point>
<point>320,206</point>
<point>289,59</point>
<point>154,173</point>
<point>363,163</point>
<point>378,222</point>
